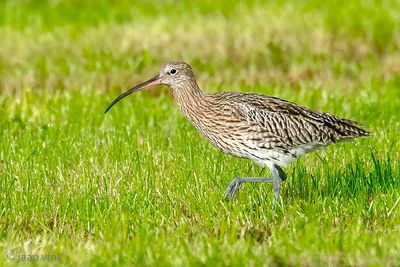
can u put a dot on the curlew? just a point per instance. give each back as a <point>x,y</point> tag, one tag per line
<point>270,131</point>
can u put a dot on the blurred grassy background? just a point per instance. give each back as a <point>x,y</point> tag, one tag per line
<point>57,45</point>
<point>140,187</point>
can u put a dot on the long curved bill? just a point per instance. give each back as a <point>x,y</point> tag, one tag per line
<point>153,81</point>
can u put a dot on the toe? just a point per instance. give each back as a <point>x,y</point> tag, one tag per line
<point>233,188</point>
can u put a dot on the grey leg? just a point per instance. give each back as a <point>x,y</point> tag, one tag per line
<point>278,176</point>
<point>281,173</point>
<point>237,183</point>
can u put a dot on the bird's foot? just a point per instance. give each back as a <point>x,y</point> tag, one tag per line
<point>233,187</point>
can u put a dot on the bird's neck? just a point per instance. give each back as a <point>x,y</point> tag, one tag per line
<point>190,99</point>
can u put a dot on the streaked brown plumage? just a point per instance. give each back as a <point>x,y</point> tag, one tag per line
<point>270,131</point>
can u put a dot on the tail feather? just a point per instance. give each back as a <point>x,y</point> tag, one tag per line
<point>345,129</point>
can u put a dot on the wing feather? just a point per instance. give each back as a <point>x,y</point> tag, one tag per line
<point>292,124</point>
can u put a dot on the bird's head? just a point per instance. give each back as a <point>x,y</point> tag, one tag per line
<point>171,74</point>
<point>174,73</point>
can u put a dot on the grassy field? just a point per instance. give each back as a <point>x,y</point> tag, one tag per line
<point>139,186</point>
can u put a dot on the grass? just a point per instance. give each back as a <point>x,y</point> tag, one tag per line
<point>139,186</point>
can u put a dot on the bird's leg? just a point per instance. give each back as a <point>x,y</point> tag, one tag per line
<point>237,182</point>
<point>281,173</point>
<point>278,176</point>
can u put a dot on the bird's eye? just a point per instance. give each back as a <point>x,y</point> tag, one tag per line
<point>173,71</point>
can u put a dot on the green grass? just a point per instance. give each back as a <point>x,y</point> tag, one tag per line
<point>139,186</point>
